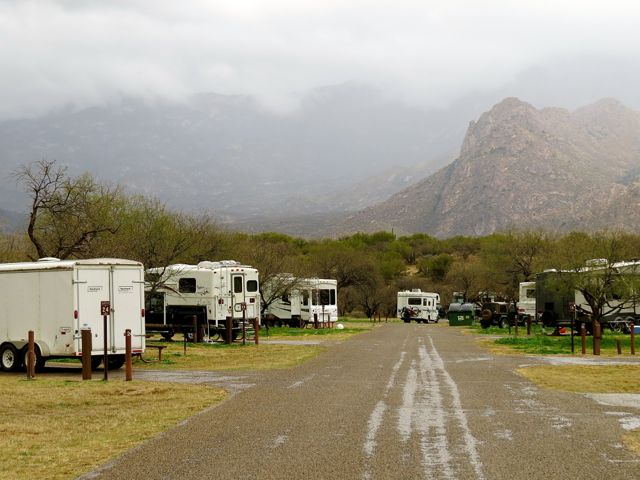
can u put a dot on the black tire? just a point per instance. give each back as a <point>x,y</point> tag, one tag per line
<point>95,362</point>
<point>10,359</point>
<point>503,323</point>
<point>115,361</point>
<point>168,335</point>
<point>406,320</point>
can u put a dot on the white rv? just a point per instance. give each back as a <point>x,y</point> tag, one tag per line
<point>310,299</point>
<point>212,292</point>
<point>59,298</point>
<point>527,300</point>
<point>418,305</point>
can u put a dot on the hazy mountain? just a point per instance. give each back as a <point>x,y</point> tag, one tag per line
<point>525,168</point>
<point>228,156</point>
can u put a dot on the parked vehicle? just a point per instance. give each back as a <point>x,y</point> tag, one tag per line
<point>497,314</point>
<point>57,299</point>
<point>527,301</point>
<point>212,293</point>
<point>557,307</point>
<point>310,300</point>
<point>418,306</point>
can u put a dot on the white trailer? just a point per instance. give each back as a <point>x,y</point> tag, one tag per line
<point>212,292</point>
<point>418,305</point>
<point>310,299</point>
<point>57,299</point>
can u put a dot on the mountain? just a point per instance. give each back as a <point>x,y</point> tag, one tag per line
<point>520,167</point>
<point>228,156</point>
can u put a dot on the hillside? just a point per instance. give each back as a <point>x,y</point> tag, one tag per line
<point>520,167</point>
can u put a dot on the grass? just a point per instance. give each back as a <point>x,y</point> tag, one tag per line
<point>540,342</point>
<point>59,429</point>
<point>351,327</point>
<point>219,356</point>
<point>590,379</point>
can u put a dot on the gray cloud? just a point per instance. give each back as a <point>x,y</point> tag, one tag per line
<point>56,53</point>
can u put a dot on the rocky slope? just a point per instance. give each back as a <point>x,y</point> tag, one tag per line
<point>520,167</point>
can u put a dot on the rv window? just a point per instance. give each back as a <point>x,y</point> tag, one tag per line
<point>187,285</point>
<point>325,297</point>
<point>530,293</point>
<point>252,285</point>
<point>305,297</point>
<point>414,301</point>
<point>237,284</point>
<point>333,296</point>
<point>285,298</point>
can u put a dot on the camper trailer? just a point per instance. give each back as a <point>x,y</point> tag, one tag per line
<point>418,306</point>
<point>57,299</point>
<point>310,300</point>
<point>212,293</point>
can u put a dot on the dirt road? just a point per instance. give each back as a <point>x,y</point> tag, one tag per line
<point>402,401</point>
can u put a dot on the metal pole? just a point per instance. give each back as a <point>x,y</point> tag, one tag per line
<point>105,358</point>
<point>31,357</point>
<point>86,353</point>
<point>127,356</point>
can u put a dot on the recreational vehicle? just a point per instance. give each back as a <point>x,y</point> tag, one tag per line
<point>309,300</point>
<point>57,299</point>
<point>211,292</point>
<point>527,300</point>
<point>418,306</point>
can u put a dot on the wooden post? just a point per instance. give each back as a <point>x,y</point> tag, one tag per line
<point>229,329</point>
<point>583,337</point>
<point>618,347</point>
<point>256,330</point>
<point>127,356</point>
<point>633,339</point>
<point>194,323</point>
<point>528,325</point>
<point>597,336</point>
<point>315,321</point>
<point>31,356</point>
<point>86,353</point>
<point>244,327</point>
<point>105,358</point>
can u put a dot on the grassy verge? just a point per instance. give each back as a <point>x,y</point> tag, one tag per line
<point>590,379</point>
<point>218,356</point>
<point>540,342</point>
<point>351,327</point>
<point>59,429</point>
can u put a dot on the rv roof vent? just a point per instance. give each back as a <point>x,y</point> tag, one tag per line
<point>48,259</point>
<point>415,290</point>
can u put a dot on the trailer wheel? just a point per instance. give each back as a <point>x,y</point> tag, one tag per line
<point>9,358</point>
<point>115,361</point>
<point>503,323</point>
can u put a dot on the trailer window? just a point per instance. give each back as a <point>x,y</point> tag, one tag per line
<point>305,297</point>
<point>237,284</point>
<point>252,285</point>
<point>333,296</point>
<point>414,301</point>
<point>530,293</point>
<point>187,285</point>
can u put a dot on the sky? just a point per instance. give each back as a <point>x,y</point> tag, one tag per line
<point>60,53</point>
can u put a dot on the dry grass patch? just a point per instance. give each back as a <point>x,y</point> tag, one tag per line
<point>590,379</point>
<point>230,357</point>
<point>586,378</point>
<point>59,429</point>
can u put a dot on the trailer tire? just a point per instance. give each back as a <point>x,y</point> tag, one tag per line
<point>10,360</point>
<point>503,323</point>
<point>115,361</point>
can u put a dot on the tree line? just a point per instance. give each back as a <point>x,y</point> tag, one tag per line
<point>79,217</point>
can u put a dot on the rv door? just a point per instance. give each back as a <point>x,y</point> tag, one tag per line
<point>127,302</point>
<point>237,284</point>
<point>92,288</point>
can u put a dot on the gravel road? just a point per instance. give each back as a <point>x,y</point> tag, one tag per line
<point>402,401</point>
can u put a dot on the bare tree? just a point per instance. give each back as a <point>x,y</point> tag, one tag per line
<point>66,214</point>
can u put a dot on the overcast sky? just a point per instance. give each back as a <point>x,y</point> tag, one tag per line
<point>56,53</point>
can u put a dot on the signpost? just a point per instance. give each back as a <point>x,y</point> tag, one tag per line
<point>105,311</point>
